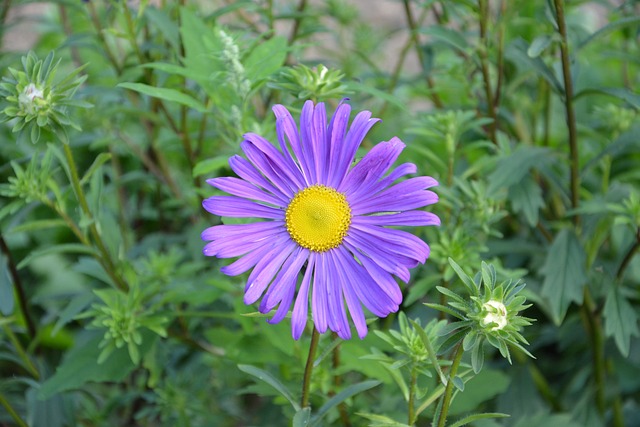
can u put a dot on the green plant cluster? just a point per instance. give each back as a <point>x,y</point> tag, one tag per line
<point>525,112</point>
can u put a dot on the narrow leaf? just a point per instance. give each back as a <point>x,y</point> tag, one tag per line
<point>341,397</point>
<point>99,161</point>
<point>470,418</point>
<point>272,381</point>
<point>167,94</point>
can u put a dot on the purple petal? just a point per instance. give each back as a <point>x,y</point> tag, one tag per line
<point>251,232</point>
<point>319,142</point>
<point>284,162</point>
<point>241,188</point>
<point>401,190</point>
<point>245,170</point>
<point>286,126</point>
<point>346,154</point>
<point>301,306</point>
<point>286,278</point>
<point>268,168</point>
<point>373,249</point>
<point>408,218</point>
<point>373,166</point>
<point>337,131</point>
<point>265,270</point>
<point>231,206</point>
<point>283,309</point>
<point>365,288</point>
<point>338,321</point>
<point>247,262</point>
<point>397,202</point>
<point>398,241</point>
<point>319,307</point>
<point>382,278</point>
<point>308,155</point>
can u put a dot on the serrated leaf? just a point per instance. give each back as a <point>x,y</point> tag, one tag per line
<point>565,275</point>
<point>526,198</point>
<point>272,381</point>
<point>166,94</point>
<point>620,320</point>
<point>341,397</point>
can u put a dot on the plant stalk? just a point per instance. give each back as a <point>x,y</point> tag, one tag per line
<point>484,67</point>
<point>105,257</point>
<point>570,113</point>
<point>12,412</point>
<point>448,392</point>
<point>308,369</point>
<point>17,283</point>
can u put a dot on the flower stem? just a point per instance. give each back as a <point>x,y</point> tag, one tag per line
<point>484,67</point>
<point>412,396</point>
<point>28,364</point>
<point>105,257</point>
<point>568,103</point>
<point>17,283</point>
<point>12,412</point>
<point>448,392</point>
<point>627,258</point>
<point>308,369</point>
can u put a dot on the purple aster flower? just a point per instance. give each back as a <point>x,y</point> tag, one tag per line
<point>324,215</point>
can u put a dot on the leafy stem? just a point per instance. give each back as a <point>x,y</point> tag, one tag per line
<point>28,364</point>
<point>630,253</point>
<point>484,67</point>
<point>308,369</point>
<point>17,283</point>
<point>12,412</point>
<point>412,395</point>
<point>568,103</point>
<point>448,392</point>
<point>105,257</point>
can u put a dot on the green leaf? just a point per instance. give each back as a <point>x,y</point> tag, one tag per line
<point>526,198</point>
<point>547,420</point>
<point>38,224</point>
<point>620,320</point>
<point>209,166</point>
<point>272,381</point>
<point>266,58</point>
<point>6,288</point>
<point>99,161</point>
<point>65,248</point>
<point>478,389</point>
<point>538,45</point>
<point>620,23</point>
<point>624,94</point>
<point>302,417</point>
<point>80,365</point>
<point>518,53</point>
<point>468,281</point>
<point>449,36</point>
<point>171,95</point>
<point>381,420</point>
<point>511,169</point>
<point>565,275</point>
<point>377,93</point>
<point>431,354</point>
<point>470,418</point>
<point>341,397</point>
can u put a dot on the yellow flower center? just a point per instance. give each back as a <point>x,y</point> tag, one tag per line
<point>318,218</point>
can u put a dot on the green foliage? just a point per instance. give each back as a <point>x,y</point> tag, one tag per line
<point>110,315</point>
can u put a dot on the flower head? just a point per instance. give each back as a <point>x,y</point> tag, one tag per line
<point>324,215</point>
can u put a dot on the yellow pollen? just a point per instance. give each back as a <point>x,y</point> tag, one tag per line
<point>318,218</point>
